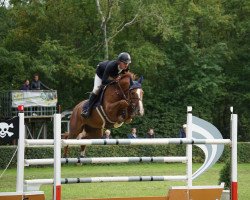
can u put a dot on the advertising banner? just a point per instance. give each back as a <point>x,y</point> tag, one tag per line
<point>44,98</point>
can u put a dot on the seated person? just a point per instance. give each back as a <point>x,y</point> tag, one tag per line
<point>150,133</point>
<point>107,134</point>
<point>182,132</point>
<point>132,135</point>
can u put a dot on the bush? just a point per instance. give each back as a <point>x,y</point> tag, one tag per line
<point>6,152</point>
<point>225,174</point>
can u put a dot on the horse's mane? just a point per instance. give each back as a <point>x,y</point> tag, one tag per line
<point>128,74</point>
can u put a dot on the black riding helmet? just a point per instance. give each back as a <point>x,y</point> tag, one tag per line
<point>124,57</point>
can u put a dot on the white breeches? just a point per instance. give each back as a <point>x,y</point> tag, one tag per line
<point>97,84</point>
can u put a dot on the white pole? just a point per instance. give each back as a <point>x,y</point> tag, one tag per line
<point>189,146</point>
<point>155,141</point>
<point>20,154</point>
<point>234,183</point>
<point>96,160</point>
<point>57,156</point>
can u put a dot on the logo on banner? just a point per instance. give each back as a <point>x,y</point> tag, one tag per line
<point>9,130</point>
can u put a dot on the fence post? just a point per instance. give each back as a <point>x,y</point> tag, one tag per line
<point>57,157</point>
<point>20,154</point>
<point>234,183</point>
<point>189,146</point>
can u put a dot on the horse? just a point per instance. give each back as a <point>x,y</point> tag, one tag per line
<point>121,100</point>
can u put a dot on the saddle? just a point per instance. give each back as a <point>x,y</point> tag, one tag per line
<point>98,105</point>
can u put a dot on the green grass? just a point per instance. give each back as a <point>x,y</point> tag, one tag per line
<point>125,189</point>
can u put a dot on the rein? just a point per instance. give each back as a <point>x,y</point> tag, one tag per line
<point>123,92</point>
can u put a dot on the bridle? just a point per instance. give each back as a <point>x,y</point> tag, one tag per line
<point>128,99</point>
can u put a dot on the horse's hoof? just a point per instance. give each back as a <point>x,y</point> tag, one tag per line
<point>128,121</point>
<point>120,119</point>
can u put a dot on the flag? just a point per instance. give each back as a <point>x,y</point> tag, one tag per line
<point>9,130</point>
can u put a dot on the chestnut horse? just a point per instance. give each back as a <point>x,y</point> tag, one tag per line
<point>120,102</point>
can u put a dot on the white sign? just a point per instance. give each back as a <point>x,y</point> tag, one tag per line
<point>34,98</point>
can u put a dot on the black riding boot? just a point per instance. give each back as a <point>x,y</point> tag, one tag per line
<point>92,99</point>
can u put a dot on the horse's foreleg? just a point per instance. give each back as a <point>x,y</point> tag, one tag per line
<point>122,104</point>
<point>119,106</point>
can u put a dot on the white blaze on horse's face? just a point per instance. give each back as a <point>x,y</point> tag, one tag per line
<point>140,96</point>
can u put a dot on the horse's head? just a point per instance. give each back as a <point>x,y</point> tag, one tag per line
<point>136,97</point>
<point>130,90</point>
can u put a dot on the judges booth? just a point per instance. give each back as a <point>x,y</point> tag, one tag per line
<point>38,107</point>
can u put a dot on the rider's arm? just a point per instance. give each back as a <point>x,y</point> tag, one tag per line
<point>44,86</point>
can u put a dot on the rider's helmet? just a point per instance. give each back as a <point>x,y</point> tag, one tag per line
<point>124,57</point>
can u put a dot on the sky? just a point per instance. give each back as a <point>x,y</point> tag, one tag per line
<point>6,2</point>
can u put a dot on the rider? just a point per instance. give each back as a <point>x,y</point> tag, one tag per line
<point>106,72</point>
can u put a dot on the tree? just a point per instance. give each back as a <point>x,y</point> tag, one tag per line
<point>110,8</point>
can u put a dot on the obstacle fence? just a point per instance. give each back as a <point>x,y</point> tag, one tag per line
<point>199,132</point>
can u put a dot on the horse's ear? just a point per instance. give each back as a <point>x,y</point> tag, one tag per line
<point>131,82</point>
<point>140,80</point>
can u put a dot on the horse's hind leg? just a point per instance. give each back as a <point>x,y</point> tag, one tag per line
<point>82,135</point>
<point>91,133</point>
<point>83,151</point>
<point>72,136</point>
<point>66,149</point>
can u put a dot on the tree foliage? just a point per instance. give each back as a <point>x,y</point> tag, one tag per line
<point>189,52</point>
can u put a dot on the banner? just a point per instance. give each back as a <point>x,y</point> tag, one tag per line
<point>44,98</point>
<point>9,130</point>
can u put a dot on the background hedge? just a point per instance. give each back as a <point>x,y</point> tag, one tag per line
<point>119,151</point>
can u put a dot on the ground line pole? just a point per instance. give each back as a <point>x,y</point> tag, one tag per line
<point>57,157</point>
<point>189,146</point>
<point>234,182</point>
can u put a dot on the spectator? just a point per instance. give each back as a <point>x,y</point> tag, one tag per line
<point>36,84</point>
<point>26,85</point>
<point>150,133</point>
<point>182,132</point>
<point>107,134</point>
<point>132,135</point>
